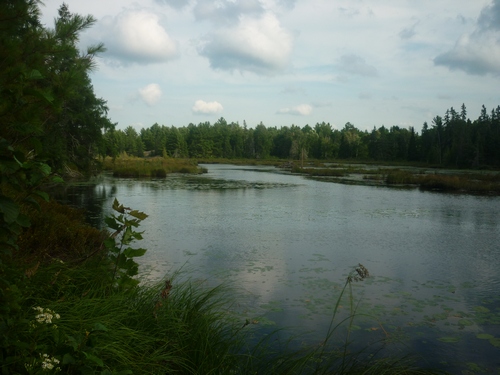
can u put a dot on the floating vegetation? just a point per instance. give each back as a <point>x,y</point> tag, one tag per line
<point>449,339</point>
<point>484,336</point>
<point>495,342</point>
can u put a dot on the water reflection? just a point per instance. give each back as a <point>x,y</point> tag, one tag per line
<point>288,243</point>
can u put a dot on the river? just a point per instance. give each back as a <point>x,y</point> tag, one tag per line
<point>287,244</point>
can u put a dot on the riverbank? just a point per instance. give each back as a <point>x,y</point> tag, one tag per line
<point>447,180</point>
<point>410,176</point>
<point>71,317</point>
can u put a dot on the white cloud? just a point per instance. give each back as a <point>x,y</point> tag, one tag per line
<point>478,52</point>
<point>474,54</point>
<point>136,36</point>
<point>204,108</point>
<point>356,65</point>
<point>151,94</point>
<point>300,110</point>
<point>408,32</point>
<point>259,45</point>
<point>226,11</point>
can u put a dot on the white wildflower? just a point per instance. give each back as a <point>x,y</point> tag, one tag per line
<point>45,315</point>
<point>49,363</point>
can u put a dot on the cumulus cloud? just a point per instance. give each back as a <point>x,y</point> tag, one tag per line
<point>226,11</point>
<point>150,94</point>
<point>409,32</point>
<point>177,4</point>
<point>136,36</point>
<point>300,110</point>
<point>207,108</point>
<point>477,53</point>
<point>258,45</point>
<point>356,65</point>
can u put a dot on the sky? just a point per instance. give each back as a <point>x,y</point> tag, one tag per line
<point>291,62</point>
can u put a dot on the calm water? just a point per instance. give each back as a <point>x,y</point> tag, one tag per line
<point>287,244</point>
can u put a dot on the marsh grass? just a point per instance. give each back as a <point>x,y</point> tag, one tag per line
<point>131,166</point>
<point>450,181</point>
<point>463,182</point>
<point>146,330</point>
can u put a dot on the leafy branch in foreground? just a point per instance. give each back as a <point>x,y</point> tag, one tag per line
<point>118,244</point>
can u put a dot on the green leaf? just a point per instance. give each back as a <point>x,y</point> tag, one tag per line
<point>127,235</point>
<point>34,74</point>
<point>118,207</point>
<point>131,253</point>
<point>99,327</point>
<point>98,361</point>
<point>111,222</point>
<point>23,221</point>
<point>68,359</point>
<point>45,169</point>
<point>139,215</point>
<point>110,243</point>
<point>57,179</point>
<point>42,194</point>
<point>9,209</point>
<point>137,235</point>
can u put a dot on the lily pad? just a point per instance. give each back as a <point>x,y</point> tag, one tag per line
<point>495,342</point>
<point>449,339</point>
<point>481,309</point>
<point>484,336</point>
<point>465,322</point>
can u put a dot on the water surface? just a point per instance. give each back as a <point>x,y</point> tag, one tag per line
<point>287,244</point>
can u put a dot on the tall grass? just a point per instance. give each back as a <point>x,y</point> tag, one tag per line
<point>130,166</point>
<point>145,331</point>
<point>465,182</point>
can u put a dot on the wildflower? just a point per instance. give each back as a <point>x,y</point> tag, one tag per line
<point>49,363</point>
<point>45,315</point>
<point>362,273</point>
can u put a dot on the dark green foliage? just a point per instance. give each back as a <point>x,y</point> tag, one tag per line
<point>47,104</point>
<point>451,141</point>
<point>121,253</point>
<point>58,232</point>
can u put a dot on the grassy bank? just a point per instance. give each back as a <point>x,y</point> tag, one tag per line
<point>130,166</point>
<point>485,182</point>
<point>488,183</point>
<point>75,314</point>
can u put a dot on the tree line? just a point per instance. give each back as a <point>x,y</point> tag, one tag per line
<point>452,140</point>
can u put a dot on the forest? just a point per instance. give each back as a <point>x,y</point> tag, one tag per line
<point>450,141</point>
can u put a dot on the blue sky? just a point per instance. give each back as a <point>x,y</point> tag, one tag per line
<point>284,62</point>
